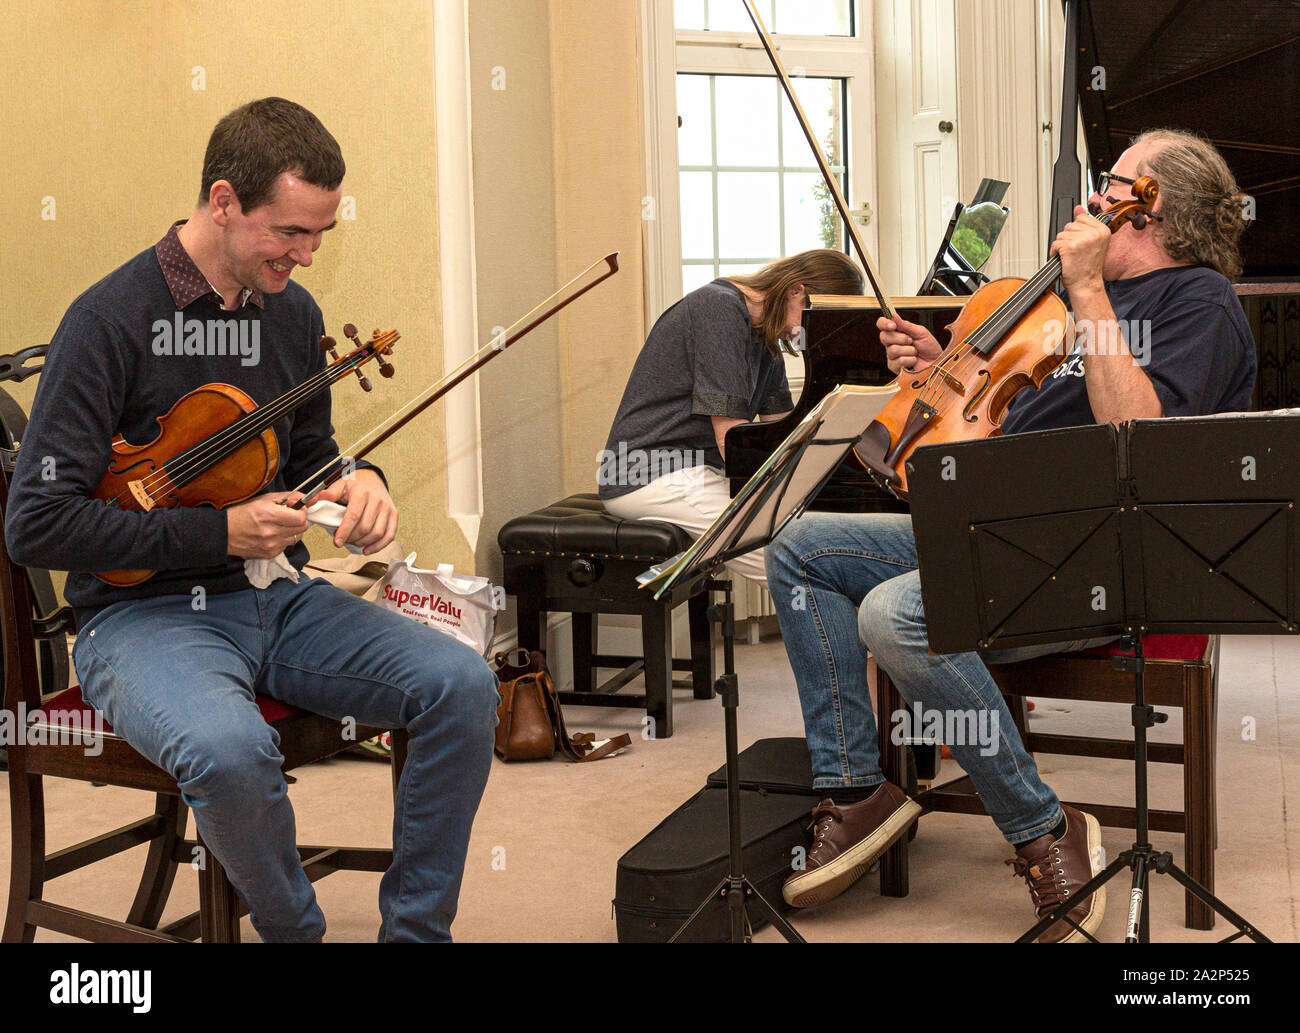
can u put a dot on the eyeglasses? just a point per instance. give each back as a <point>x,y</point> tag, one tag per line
<point>1106,178</point>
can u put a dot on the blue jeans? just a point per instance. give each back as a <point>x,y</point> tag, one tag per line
<point>178,684</point>
<point>841,582</point>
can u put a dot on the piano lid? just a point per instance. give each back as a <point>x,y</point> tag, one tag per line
<point>1230,71</point>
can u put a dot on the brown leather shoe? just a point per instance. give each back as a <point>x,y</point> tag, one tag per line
<point>1055,870</point>
<point>846,841</point>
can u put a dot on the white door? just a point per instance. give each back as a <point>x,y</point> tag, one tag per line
<point>916,61</point>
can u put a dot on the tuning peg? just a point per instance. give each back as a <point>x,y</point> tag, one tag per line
<point>328,344</point>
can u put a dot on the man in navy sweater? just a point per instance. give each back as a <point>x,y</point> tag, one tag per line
<point>174,663</point>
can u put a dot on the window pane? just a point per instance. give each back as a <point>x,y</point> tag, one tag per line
<point>695,137</point>
<point>791,17</point>
<point>758,180</point>
<point>813,18</point>
<point>689,14</point>
<point>748,203</point>
<point>810,217</point>
<point>746,118</point>
<point>820,100</point>
<point>741,270</point>
<point>694,276</point>
<point>731,16</point>
<point>697,215</point>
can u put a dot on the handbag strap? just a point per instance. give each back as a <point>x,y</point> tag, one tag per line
<point>577,748</point>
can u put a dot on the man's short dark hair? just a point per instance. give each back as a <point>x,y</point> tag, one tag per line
<point>254,144</point>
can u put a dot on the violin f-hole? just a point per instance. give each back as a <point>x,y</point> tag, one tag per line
<point>985,381</point>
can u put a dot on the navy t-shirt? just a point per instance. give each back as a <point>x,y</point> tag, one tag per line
<point>1186,329</point>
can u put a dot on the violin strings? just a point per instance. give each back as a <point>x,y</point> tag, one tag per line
<point>191,459</point>
<point>253,423</point>
<point>988,334</point>
<point>1002,322</point>
<point>197,455</point>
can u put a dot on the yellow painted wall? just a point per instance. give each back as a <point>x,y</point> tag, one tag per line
<point>595,108</point>
<point>101,112</point>
<point>557,185</point>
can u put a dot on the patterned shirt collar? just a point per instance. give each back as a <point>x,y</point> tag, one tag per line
<point>185,281</point>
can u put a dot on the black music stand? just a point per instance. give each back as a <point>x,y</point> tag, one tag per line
<point>776,494</point>
<point>1177,526</point>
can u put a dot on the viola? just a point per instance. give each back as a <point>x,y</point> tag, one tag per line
<point>215,446</point>
<point>1008,337</point>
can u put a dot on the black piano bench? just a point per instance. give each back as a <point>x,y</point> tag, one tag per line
<point>574,557</point>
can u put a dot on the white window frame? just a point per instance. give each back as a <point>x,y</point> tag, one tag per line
<point>667,52</point>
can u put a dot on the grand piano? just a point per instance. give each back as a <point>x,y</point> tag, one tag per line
<point>843,347</point>
<point>1228,71</point>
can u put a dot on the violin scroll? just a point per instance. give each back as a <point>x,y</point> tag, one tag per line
<point>380,344</point>
<point>379,347</point>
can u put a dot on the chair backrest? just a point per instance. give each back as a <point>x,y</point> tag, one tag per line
<point>35,647</point>
<point>21,669</point>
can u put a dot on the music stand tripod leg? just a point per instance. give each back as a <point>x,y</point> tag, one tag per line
<point>1142,856</point>
<point>733,890</point>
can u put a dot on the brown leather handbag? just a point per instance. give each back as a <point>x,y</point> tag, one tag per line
<point>530,723</point>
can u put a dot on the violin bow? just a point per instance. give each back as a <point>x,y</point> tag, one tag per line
<point>359,449</point>
<point>833,184</point>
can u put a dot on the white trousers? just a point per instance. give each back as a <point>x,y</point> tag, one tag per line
<point>692,499</point>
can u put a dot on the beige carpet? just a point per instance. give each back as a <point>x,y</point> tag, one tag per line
<point>548,835</point>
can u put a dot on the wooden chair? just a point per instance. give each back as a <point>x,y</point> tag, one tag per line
<point>61,713</point>
<point>1181,671</point>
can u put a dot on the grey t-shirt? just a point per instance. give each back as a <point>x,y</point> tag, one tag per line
<point>703,358</point>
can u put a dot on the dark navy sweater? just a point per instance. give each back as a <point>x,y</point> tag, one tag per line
<point>102,377</point>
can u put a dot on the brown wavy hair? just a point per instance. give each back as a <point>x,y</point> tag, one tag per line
<point>822,271</point>
<point>1202,210</point>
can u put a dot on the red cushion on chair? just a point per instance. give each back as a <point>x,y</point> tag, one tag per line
<point>1158,647</point>
<point>70,701</point>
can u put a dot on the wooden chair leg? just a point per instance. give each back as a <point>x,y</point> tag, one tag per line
<point>27,857</point>
<point>1198,792</point>
<point>218,902</point>
<point>703,663</point>
<point>657,649</point>
<point>401,740</point>
<point>586,630</point>
<point>160,865</point>
<point>893,760</point>
<point>1214,743</point>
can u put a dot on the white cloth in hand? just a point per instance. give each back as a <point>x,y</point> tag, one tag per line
<point>261,573</point>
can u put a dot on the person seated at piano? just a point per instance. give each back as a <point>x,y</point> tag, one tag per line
<point>857,576</point>
<point>711,361</point>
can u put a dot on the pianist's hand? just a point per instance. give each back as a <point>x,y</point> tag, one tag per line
<point>907,346</point>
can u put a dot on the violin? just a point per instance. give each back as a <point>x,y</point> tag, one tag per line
<point>215,446</point>
<point>1008,337</point>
